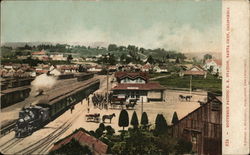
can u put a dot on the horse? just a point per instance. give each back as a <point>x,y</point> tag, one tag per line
<point>181,97</point>
<point>188,98</point>
<point>108,117</point>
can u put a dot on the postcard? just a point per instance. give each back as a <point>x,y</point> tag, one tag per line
<point>125,77</point>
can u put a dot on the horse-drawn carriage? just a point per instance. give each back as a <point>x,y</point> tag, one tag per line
<point>132,103</point>
<point>115,101</point>
<point>93,117</point>
<point>185,98</point>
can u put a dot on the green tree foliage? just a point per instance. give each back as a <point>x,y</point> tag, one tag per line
<point>183,146</point>
<point>175,118</point>
<point>110,130</point>
<point>211,68</point>
<point>134,120</point>
<point>150,59</point>
<point>31,62</point>
<point>142,50</point>
<point>121,48</point>
<point>123,57</point>
<point>160,125</point>
<point>144,119</point>
<point>112,60</point>
<point>132,48</point>
<point>207,56</point>
<point>177,60</point>
<point>102,126</point>
<point>69,58</point>
<point>123,119</point>
<point>112,47</point>
<point>72,148</point>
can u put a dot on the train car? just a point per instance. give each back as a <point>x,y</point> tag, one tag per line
<point>49,108</point>
<point>84,76</point>
<point>13,95</point>
<point>65,76</point>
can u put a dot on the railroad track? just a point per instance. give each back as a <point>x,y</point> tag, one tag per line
<point>41,146</point>
<point>10,144</point>
<point>7,129</point>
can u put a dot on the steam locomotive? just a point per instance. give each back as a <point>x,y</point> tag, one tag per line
<point>47,108</point>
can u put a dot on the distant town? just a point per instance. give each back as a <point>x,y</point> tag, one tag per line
<point>34,60</point>
<point>109,100</point>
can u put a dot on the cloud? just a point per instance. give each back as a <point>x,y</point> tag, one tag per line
<point>183,39</point>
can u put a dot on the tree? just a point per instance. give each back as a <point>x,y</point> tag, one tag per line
<point>144,119</point>
<point>110,130</point>
<point>150,59</point>
<point>134,120</point>
<point>175,118</point>
<point>123,57</point>
<point>99,131</point>
<point>211,68</point>
<point>177,60</point>
<point>121,48</point>
<point>183,146</point>
<point>112,47</point>
<point>69,58</point>
<point>132,48</point>
<point>102,126</point>
<point>207,56</point>
<point>142,50</point>
<point>123,119</point>
<point>111,59</point>
<point>160,125</point>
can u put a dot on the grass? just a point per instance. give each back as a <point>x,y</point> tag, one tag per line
<point>153,75</point>
<point>211,83</point>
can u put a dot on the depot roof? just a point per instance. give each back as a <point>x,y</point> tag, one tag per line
<point>147,86</point>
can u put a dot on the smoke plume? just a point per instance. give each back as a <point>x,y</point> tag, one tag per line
<point>42,83</point>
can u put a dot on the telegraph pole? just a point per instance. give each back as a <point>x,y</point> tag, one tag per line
<point>107,83</point>
<point>190,84</point>
<point>141,105</point>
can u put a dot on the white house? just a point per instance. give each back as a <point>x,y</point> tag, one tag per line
<point>214,65</point>
<point>95,69</point>
<point>58,57</point>
<point>160,69</point>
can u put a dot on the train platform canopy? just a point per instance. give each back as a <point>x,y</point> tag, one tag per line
<point>84,139</point>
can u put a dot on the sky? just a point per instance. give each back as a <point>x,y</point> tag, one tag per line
<point>187,25</point>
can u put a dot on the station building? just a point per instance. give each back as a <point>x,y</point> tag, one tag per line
<point>136,85</point>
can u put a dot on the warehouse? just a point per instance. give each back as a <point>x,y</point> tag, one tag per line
<point>203,127</point>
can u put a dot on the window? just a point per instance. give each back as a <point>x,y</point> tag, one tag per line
<point>194,139</point>
<point>137,94</point>
<point>125,80</point>
<point>132,94</point>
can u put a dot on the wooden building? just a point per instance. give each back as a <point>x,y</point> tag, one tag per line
<point>203,127</point>
<point>194,71</point>
<point>136,85</point>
